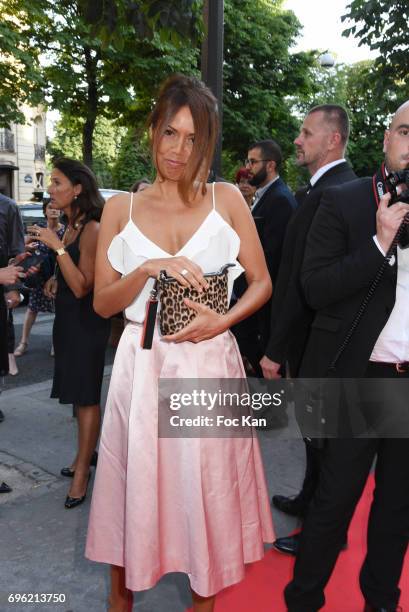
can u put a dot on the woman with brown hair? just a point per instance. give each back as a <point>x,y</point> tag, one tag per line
<point>80,335</point>
<point>160,505</point>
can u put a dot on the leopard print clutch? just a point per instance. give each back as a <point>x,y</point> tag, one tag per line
<point>174,315</point>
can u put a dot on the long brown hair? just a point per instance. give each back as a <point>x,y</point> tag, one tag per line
<point>175,93</point>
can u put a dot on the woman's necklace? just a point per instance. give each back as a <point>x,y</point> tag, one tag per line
<point>71,232</point>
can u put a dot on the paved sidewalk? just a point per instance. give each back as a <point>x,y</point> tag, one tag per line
<point>42,543</point>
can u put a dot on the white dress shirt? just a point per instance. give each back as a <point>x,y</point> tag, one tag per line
<point>315,177</point>
<point>392,345</point>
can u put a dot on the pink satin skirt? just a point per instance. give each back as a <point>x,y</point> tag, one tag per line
<point>159,505</point>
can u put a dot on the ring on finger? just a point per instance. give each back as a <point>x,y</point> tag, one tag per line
<point>184,272</point>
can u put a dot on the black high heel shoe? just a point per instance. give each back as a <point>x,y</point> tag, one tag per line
<point>72,502</point>
<point>69,473</point>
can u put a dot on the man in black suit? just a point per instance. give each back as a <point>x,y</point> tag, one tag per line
<point>272,208</point>
<point>348,239</point>
<point>320,147</point>
<point>11,244</point>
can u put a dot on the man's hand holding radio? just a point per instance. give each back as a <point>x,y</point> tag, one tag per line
<point>388,220</point>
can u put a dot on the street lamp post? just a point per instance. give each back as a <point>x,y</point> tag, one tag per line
<point>212,64</point>
<point>326,60</point>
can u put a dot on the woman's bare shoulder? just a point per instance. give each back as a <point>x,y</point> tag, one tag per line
<point>118,203</point>
<point>89,233</point>
<point>91,227</point>
<point>116,210</point>
<point>229,200</point>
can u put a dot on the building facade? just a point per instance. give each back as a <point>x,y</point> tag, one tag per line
<point>22,157</point>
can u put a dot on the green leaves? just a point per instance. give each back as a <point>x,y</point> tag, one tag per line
<point>383,26</point>
<point>172,20</point>
<point>98,57</point>
<point>378,89</point>
<point>133,161</point>
<point>261,77</point>
<point>20,75</point>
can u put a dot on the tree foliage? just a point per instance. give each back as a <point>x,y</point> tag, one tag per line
<point>102,61</point>
<point>369,117</point>
<point>174,20</point>
<point>107,144</point>
<point>133,161</point>
<point>96,61</point>
<point>105,58</point>
<point>377,89</point>
<point>121,155</point>
<point>261,76</point>
<point>383,26</point>
<point>20,78</point>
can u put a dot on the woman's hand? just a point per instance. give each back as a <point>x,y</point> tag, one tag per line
<point>206,325</point>
<point>11,275</point>
<point>182,269</point>
<point>46,236</point>
<point>50,287</point>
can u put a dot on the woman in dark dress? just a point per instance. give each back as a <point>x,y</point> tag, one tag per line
<point>79,334</point>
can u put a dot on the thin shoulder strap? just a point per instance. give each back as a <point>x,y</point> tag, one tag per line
<point>130,207</point>
<point>213,198</point>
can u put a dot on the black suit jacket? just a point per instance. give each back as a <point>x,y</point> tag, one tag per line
<point>11,243</point>
<point>341,260</point>
<point>271,215</point>
<point>11,230</point>
<point>291,316</point>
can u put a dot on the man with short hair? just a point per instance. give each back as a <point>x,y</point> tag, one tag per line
<point>273,202</point>
<point>350,235</point>
<point>272,208</point>
<point>320,147</point>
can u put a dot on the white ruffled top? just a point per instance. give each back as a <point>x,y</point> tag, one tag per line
<point>212,245</point>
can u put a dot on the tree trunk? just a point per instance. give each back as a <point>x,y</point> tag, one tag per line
<point>91,62</point>
<point>88,142</point>
<point>212,66</point>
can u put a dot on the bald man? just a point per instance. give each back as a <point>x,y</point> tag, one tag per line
<point>349,237</point>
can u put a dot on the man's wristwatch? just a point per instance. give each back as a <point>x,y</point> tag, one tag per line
<point>60,251</point>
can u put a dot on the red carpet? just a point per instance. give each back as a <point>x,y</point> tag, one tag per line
<point>262,589</point>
